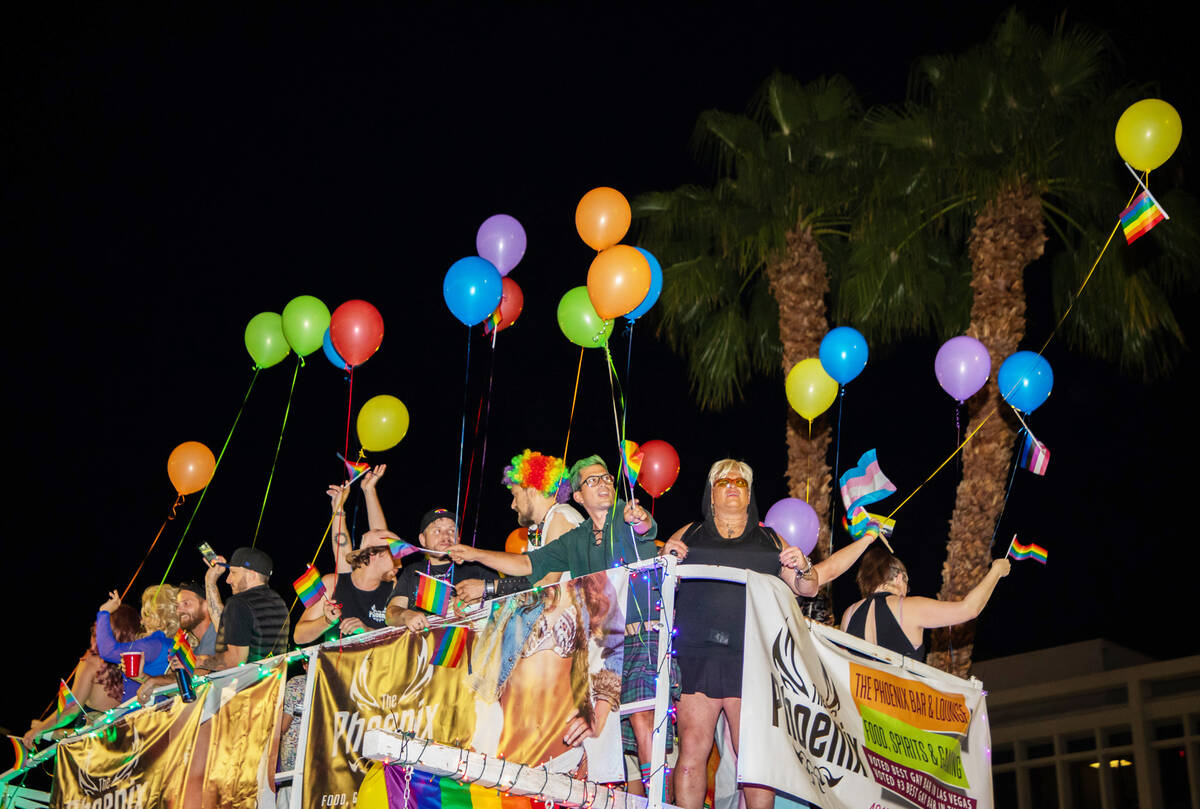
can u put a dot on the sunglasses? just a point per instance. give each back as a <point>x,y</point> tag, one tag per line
<point>595,480</point>
<point>721,483</point>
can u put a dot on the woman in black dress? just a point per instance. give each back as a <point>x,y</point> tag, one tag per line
<point>710,617</point>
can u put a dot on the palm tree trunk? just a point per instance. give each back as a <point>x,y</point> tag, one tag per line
<point>1008,235</point>
<point>799,281</point>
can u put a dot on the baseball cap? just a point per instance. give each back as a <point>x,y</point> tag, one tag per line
<point>252,559</point>
<point>193,587</point>
<point>436,514</point>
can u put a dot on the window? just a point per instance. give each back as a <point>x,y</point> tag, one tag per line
<point>1002,754</point>
<point>1040,748</point>
<point>1117,737</point>
<point>1085,783</point>
<point>1081,742</point>
<point>1004,787</point>
<point>1173,777</point>
<point>1168,729</point>
<point>1043,788</point>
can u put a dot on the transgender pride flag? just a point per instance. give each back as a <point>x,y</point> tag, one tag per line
<point>865,483</point>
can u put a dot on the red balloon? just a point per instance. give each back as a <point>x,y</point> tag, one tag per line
<point>660,467</point>
<point>356,330</point>
<point>512,300</point>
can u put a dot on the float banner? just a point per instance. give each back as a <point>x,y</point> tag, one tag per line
<point>140,760</point>
<point>536,663</point>
<point>243,741</point>
<point>834,729</point>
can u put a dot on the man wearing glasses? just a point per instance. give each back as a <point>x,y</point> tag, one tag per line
<point>356,601</point>
<point>598,543</point>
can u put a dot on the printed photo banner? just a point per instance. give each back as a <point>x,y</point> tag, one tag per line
<point>839,730</point>
<point>535,664</point>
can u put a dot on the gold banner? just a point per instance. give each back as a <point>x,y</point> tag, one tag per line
<point>139,761</point>
<point>243,744</point>
<point>537,665</point>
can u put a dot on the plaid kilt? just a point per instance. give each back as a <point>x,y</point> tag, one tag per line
<point>638,680</point>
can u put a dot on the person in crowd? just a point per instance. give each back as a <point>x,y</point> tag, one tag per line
<point>98,684</point>
<point>710,616</point>
<point>338,493</point>
<point>254,623</point>
<point>159,622</point>
<point>194,617</point>
<point>438,532</point>
<point>536,481</point>
<point>598,543</point>
<point>357,600</point>
<point>887,617</point>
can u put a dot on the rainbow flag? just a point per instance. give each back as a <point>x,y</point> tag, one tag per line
<point>400,548</point>
<point>633,461</point>
<point>66,700</point>
<point>354,469</point>
<point>1140,217</point>
<point>309,586</point>
<point>1034,455</point>
<point>1031,551</point>
<point>865,483</point>
<point>451,646</point>
<point>863,521</point>
<point>184,651</point>
<point>433,595</point>
<point>383,788</point>
<point>19,752</point>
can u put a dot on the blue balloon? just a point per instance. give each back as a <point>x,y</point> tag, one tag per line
<point>656,279</point>
<point>472,289</point>
<point>332,355</point>
<point>843,354</point>
<point>1025,380</point>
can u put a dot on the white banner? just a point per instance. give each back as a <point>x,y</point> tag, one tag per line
<point>834,729</point>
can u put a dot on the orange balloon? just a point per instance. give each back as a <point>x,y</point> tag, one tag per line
<point>602,218</point>
<point>190,467</point>
<point>516,541</point>
<point>618,281</point>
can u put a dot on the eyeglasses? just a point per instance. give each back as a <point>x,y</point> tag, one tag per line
<point>725,482</point>
<point>595,480</point>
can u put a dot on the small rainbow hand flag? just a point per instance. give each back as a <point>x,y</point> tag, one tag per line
<point>633,461</point>
<point>1034,455</point>
<point>433,595</point>
<point>1140,217</point>
<point>1032,551</point>
<point>863,522</point>
<point>19,752</point>
<point>451,647</point>
<point>309,586</point>
<point>355,469</point>
<point>184,651</point>
<point>400,548</point>
<point>66,700</point>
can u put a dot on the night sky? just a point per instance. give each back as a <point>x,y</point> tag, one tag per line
<point>168,173</point>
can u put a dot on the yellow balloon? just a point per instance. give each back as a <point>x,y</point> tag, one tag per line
<point>810,390</point>
<point>382,422</point>
<point>1147,133</point>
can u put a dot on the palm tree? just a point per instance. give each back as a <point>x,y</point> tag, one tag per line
<point>994,145</point>
<point>745,261</point>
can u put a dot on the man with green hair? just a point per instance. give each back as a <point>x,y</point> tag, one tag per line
<point>600,542</point>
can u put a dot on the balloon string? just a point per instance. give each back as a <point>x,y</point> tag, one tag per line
<point>161,528</point>
<point>1007,491</point>
<point>487,417</point>
<point>614,387</point>
<point>1053,332</point>
<point>462,507</point>
<point>321,544</point>
<point>349,409</point>
<point>571,419</point>
<point>462,435</point>
<point>287,409</point>
<point>216,466</point>
<point>837,458</point>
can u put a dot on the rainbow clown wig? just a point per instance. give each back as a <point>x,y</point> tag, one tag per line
<point>536,471</point>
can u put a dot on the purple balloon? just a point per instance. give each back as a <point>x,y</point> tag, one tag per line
<point>962,366</point>
<point>795,521</point>
<point>501,240</point>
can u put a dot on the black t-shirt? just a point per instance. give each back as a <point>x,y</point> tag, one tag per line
<point>368,606</point>
<point>406,582</point>
<point>256,618</point>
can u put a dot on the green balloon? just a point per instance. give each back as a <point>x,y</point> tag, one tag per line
<point>265,340</point>
<point>305,320</point>
<point>579,322</point>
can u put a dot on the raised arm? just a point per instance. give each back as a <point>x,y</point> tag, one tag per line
<point>374,510</point>
<point>806,577</point>
<point>212,595</point>
<point>929,612</point>
<point>337,527</point>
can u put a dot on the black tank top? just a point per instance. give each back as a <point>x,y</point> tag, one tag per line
<point>368,606</point>
<point>888,632</point>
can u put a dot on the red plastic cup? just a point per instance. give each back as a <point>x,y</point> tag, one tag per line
<point>131,664</point>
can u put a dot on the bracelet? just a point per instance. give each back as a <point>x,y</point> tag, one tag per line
<point>339,514</point>
<point>489,588</point>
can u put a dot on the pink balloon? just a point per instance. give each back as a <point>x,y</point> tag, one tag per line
<point>795,521</point>
<point>962,366</point>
